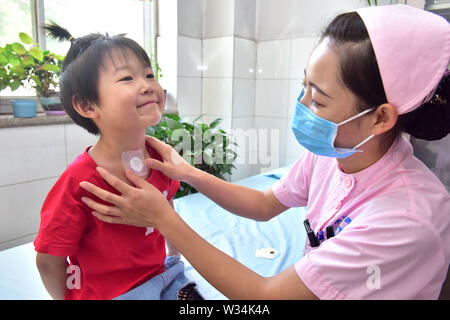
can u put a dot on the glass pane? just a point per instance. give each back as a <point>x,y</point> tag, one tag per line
<point>15,17</point>
<point>82,17</point>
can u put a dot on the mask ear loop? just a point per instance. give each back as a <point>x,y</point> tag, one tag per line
<point>364,141</point>
<point>354,117</point>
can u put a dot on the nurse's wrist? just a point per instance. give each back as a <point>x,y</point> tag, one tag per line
<point>166,220</point>
<point>192,175</point>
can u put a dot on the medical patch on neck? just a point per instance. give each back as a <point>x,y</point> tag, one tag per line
<point>134,161</point>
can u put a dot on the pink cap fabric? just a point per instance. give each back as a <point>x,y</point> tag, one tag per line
<point>412,48</point>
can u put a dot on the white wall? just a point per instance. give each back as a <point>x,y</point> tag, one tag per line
<point>32,159</point>
<point>251,55</point>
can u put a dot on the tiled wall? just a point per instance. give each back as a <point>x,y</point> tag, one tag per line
<point>243,61</point>
<point>32,160</point>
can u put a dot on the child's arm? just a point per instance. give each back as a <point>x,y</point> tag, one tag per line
<point>53,274</point>
<point>240,200</point>
<point>171,250</point>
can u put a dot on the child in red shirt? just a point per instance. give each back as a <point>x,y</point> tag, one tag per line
<point>108,87</point>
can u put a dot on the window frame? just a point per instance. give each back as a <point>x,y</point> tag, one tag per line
<point>37,7</point>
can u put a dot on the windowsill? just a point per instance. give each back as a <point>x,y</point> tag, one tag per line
<point>42,119</point>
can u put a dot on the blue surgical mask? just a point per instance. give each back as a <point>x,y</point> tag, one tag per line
<point>318,134</point>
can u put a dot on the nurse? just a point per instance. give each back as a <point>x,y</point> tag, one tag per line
<point>378,219</point>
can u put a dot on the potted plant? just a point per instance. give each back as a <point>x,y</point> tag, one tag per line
<point>25,64</point>
<point>208,147</point>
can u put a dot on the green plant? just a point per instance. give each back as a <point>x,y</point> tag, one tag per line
<point>154,63</point>
<point>369,2</point>
<point>155,66</point>
<point>26,64</point>
<point>207,147</point>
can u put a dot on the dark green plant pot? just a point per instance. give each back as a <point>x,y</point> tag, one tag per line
<point>52,105</point>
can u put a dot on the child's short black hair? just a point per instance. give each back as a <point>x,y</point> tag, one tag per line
<point>81,66</point>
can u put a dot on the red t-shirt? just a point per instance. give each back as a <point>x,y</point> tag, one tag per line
<point>112,258</point>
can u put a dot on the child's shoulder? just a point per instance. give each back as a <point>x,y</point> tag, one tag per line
<point>83,168</point>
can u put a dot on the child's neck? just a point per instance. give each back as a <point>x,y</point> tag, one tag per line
<point>107,152</point>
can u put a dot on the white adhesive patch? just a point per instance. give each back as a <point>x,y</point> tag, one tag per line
<point>134,161</point>
<point>136,164</point>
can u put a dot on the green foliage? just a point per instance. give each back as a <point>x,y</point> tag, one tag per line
<point>207,147</point>
<point>25,64</point>
<point>369,2</point>
<point>154,63</point>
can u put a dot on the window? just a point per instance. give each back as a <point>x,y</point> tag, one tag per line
<point>132,17</point>
<point>82,17</point>
<point>15,17</point>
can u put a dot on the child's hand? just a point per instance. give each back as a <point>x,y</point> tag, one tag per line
<point>141,206</point>
<point>173,165</point>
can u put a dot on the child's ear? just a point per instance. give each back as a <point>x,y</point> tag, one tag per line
<point>84,107</point>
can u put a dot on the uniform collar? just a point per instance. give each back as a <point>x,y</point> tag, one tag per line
<point>397,152</point>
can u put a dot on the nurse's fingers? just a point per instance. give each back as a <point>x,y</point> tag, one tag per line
<point>106,218</point>
<point>114,182</point>
<point>101,208</point>
<point>162,148</point>
<point>137,180</point>
<point>101,193</point>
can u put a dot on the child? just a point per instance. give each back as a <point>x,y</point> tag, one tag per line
<point>107,87</point>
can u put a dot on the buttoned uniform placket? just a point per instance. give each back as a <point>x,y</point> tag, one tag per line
<point>343,187</point>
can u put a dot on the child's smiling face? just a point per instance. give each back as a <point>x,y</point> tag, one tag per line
<point>130,97</point>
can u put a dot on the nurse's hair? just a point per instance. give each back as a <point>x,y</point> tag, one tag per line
<point>360,73</point>
<point>81,68</point>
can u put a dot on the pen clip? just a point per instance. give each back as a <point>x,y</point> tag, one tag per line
<point>311,235</point>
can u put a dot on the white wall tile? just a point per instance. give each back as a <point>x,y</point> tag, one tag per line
<point>168,61</point>
<point>268,163</point>
<point>243,97</point>
<point>189,96</point>
<point>245,134</point>
<point>189,53</point>
<point>218,20</point>
<point>243,171</point>
<point>167,18</point>
<point>296,19</point>
<point>190,18</point>
<point>245,16</point>
<point>244,58</point>
<point>77,140</point>
<point>218,57</point>
<point>217,96</point>
<point>271,135</point>
<point>21,206</point>
<point>293,148</point>
<point>300,50</point>
<point>244,123</point>
<point>271,98</point>
<point>273,59</point>
<point>295,87</point>
<point>31,153</point>
<point>225,124</point>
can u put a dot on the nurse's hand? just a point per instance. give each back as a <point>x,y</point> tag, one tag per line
<point>141,206</point>
<point>173,165</point>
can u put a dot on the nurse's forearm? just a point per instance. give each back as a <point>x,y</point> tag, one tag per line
<point>227,275</point>
<point>240,200</point>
